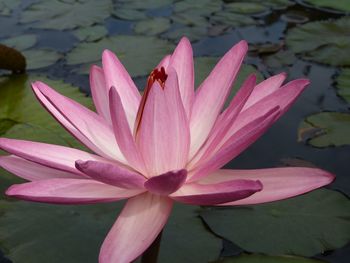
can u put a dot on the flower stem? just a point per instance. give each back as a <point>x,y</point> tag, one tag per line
<point>151,254</point>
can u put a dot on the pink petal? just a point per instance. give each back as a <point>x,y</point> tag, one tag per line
<point>138,225</point>
<point>99,92</point>
<point>69,191</point>
<point>84,124</point>
<point>163,136</point>
<point>32,171</point>
<point>164,62</point>
<point>279,183</point>
<point>225,121</point>
<point>182,61</point>
<point>123,133</point>
<point>265,88</point>
<point>166,183</point>
<point>54,156</point>
<point>235,145</point>
<point>111,174</point>
<point>117,76</point>
<point>212,94</point>
<point>217,193</point>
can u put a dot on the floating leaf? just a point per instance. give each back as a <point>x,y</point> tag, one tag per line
<point>204,6</point>
<point>322,41</point>
<point>127,13</point>
<point>340,5</point>
<point>326,129</point>
<point>193,33</point>
<point>190,18</point>
<point>21,43</point>
<point>41,58</point>
<point>246,8</point>
<point>255,258</point>
<point>280,60</point>
<point>153,26</point>
<point>232,19</point>
<point>90,34</point>
<point>62,15</point>
<point>145,4</point>
<point>304,225</point>
<point>343,84</point>
<point>7,6</point>
<point>138,61</point>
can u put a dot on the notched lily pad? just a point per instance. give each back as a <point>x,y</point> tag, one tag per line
<point>62,15</point>
<point>304,225</point>
<point>41,58</point>
<point>343,84</point>
<point>153,26</point>
<point>325,129</point>
<point>90,34</point>
<point>322,41</point>
<point>138,61</point>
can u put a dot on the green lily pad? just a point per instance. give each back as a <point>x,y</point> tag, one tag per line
<point>138,61</point>
<point>203,66</point>
<point>203,6</point>
<point>41,58</point>
<point>343,84</point>
<point>256,258</point>
<point>191,18</point>
<point>325,129</point>
<point>153,26</point>
<point>339,5</point>
<point>145,4</point>
<point>280,59</point>
<point>232,19</point>
<point>21,43</point>
<point>127,13</point>
<point>322,41</point>
<point>90,34</point>
<point>62,15</point>
<point>304,225</point>
<point>277,4</point>
<point>246,8</point>
<point>192,33</point>
<point>32,233</point>
<point>7,6</point>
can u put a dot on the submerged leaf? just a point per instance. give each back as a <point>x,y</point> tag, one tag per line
<point>304,225</point>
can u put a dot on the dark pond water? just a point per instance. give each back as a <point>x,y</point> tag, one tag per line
<point>277,44</point>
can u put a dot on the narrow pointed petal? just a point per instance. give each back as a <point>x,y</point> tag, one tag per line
<point>54,156</point>
<point>69,191</point>
<point>182,61</point>
<point>138,225</point>
<point>84,124</point>
<point>235,145</point>
<point>117,76</point>
<point>123,133</point>
<point>166,183</point>
<point>99,92</point>
<point>212,94</point>
<point>225,121</point>
<point>279,183</point>
<point>32,171</point>
<point>265,88</point>
<point>163,136</point>
<point>218,193</point>
<point>111,174</point>
<point>164,62</point>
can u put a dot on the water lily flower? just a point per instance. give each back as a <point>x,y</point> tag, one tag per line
<point>164,146</point>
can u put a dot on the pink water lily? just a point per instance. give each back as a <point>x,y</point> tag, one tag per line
<point>167,145</point>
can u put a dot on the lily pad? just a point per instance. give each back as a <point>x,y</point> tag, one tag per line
<point>62,15</point>
<point>232,19</point>
<point>280,59</point>
<point>145,4</point>
<point>246,8</point>
<point>343,84</point>
<point>256,258</point>
<point>322,41</point>
<point>204,6</point>
<point>191,18</point>
<point>138,61</point>
<point>41,58</point>
<point>7,6</point>
<point>90,34</point>
<point>203,66</point>
<point>32,232</point>
<point>304,225</point>
<point>339,5</point>
<point>21,43</point>
<point>127,13</point>
<point>193,33</point>
<point>153,26</point>
<point>325,129</point>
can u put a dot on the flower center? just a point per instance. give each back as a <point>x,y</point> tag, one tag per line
<point>156,75</point>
